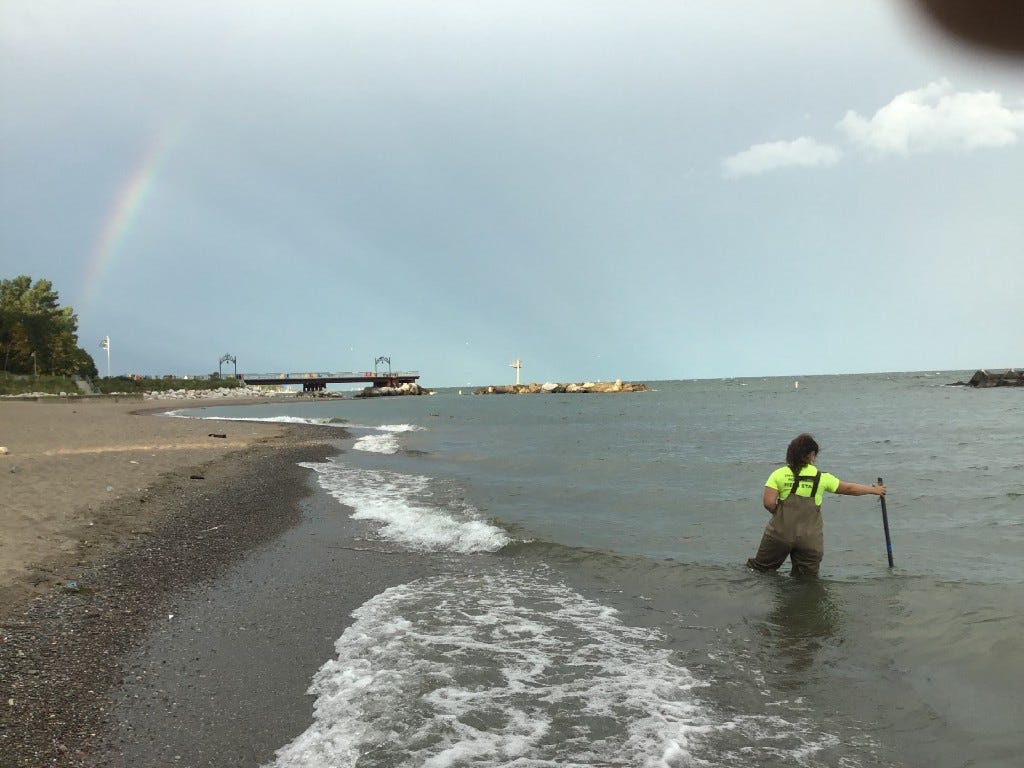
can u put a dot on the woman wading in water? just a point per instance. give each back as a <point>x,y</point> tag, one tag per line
<point>796,529</point>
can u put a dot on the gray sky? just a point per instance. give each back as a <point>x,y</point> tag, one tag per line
<point>635,190</point>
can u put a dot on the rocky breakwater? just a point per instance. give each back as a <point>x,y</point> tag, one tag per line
<point>167,394</point>
<point>551,388</point>
<point>983,379</point>
<point>205,394</point>
<point>404,389</point>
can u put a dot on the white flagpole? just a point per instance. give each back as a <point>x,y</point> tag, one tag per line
<point>105,343</point>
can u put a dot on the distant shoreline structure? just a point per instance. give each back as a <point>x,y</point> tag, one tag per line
<point>983,379</point>
<point>552,388</point>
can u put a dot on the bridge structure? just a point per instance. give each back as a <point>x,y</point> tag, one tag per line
<point>317,382</point>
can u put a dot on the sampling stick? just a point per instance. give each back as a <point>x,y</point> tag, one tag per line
<point>885,524</point>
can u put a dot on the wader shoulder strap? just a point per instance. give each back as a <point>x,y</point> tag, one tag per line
<point>814,488</point>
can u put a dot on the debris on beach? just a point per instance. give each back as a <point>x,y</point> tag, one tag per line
<point>74,588</point>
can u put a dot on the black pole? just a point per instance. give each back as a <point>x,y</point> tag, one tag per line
<point>885,524</point>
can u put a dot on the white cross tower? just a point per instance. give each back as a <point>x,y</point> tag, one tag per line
<point>517,365</point>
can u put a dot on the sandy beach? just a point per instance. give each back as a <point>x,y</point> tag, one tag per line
<point>77,476</point>
<point>131,543</point>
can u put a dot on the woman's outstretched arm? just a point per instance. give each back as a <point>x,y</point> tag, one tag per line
<point>856,489</point>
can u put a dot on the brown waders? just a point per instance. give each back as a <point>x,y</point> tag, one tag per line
<point>796,531</point>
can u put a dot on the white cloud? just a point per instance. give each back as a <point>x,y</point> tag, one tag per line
<point>761,158</point>
<point>936,118</point>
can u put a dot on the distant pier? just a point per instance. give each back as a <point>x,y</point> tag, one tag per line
<point>317,382</point>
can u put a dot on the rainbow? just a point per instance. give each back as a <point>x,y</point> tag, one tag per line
<point>125,210</point>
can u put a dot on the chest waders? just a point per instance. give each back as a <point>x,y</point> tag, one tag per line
<point>795,531</point>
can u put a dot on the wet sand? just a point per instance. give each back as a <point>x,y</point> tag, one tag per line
<point>199,609</point>
<point>224,682</point>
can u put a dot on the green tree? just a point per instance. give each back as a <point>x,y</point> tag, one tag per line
<point>32,322</point>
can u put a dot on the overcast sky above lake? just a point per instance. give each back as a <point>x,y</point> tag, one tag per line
<point>635,190</point>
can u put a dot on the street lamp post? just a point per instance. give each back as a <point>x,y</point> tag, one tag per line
<point>35,370</point>
<point>227,358</point>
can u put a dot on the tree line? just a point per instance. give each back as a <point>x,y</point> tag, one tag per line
<point>37,334</point>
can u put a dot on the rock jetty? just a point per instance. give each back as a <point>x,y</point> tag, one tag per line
<point>983,379</point>
<point>409,388</point>
<point>168,394</point>
<point>205,394</point>
<point>551,388</point>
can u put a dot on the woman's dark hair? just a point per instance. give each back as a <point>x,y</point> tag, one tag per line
<point>799,449</point>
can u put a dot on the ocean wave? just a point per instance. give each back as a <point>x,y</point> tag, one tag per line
<point>407,509</point>
<point>190,413</point>
<point>511,669</point>
<point>384,439</point>
<point>499,670</point>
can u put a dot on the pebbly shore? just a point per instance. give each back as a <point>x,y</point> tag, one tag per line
<point>61,652</point>
<point>177,605</point>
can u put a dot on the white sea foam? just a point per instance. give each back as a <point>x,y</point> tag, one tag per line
<point>510,670</point>
<point>408,510</point>
<point>383,443</point>
<point>192,414</point>
<point>399,428</point>
<point>379,439</point>
<point>501,671</point>
<point>384,439</point>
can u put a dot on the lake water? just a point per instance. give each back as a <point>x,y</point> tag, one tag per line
<point>598,611</point>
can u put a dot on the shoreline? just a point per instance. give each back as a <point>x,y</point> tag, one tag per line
<point>63,649</point>
<point>76,480</point>
<point>225,681</point>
